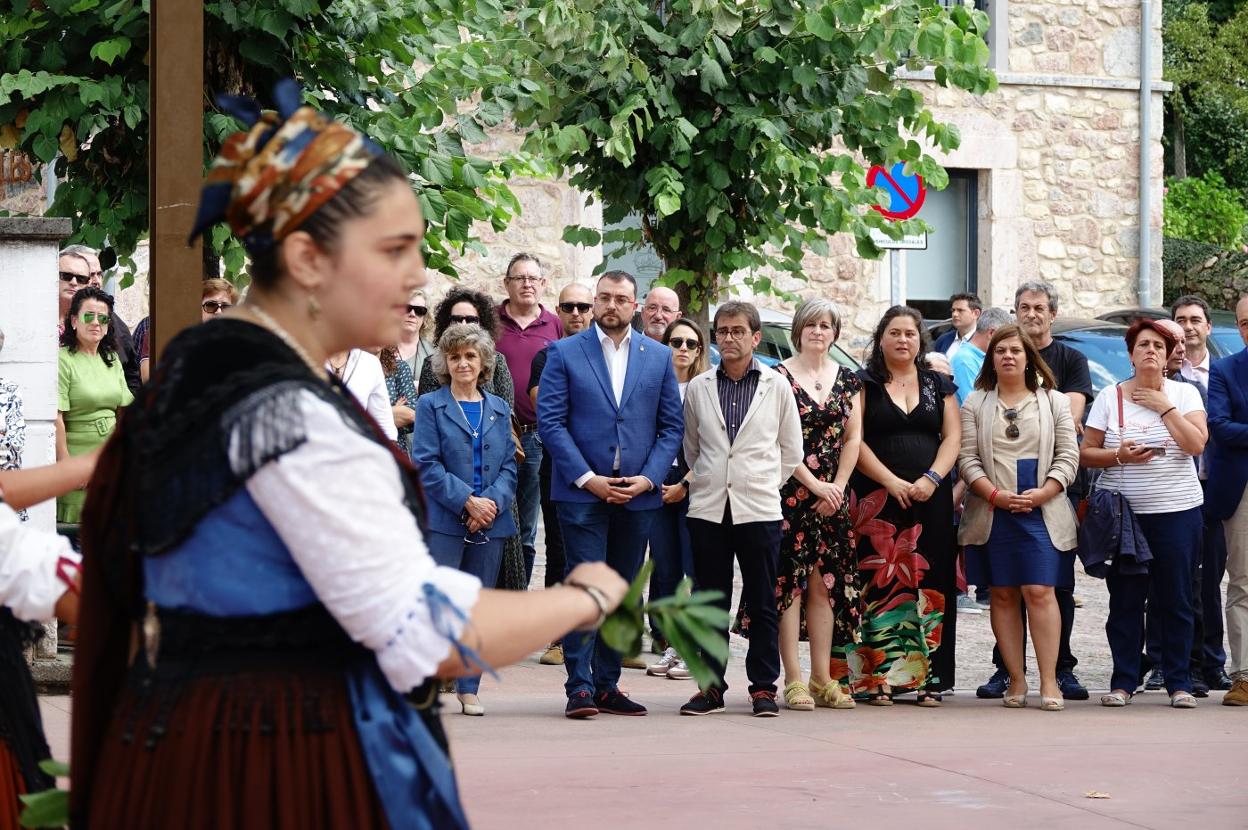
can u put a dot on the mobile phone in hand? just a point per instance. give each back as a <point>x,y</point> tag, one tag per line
<point>1157,451</point>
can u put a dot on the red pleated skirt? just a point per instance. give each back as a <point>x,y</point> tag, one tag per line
<point>11,786</point>
<point>248,750</point>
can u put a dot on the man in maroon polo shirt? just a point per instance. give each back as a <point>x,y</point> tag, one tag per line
<point>525,327</point>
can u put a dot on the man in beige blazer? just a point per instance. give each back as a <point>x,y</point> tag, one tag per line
<point>743,439</point>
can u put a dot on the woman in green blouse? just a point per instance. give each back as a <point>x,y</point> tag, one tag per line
<point>92,386</point>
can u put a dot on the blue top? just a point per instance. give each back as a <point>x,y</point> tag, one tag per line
<point>966,363</point>
<point>472,415</point>
<point>233,564</point>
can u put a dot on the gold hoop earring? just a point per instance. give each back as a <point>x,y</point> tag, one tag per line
<point>314,308</point>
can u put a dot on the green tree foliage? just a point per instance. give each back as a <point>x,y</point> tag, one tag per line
<point>735,130</point>
<point>1206,52</point>
<point>1205,210</point>
<point>74,89</point>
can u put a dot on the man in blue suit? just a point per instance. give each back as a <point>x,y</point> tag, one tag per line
<point>610,417</point>
<point>1227,459</point>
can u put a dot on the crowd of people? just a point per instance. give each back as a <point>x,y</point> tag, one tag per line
<point>346,472</point>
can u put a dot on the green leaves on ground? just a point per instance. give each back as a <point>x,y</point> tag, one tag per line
<point>689,621</point>
<point>49,808</point>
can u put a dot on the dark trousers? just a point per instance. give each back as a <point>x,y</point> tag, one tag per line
<point>528,499</point>
<point>756,548</point>
<point>670,549</point>
<point>556,567</point>
<point>1208,654</point>
<point>1174,539</point>
<point>599,532</point>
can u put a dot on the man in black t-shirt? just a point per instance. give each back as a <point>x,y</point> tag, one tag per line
<point>575,310</point>
<point>1035,305</point>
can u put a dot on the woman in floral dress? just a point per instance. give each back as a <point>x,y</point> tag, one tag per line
<point>901,508</point>
<point>816,548</point>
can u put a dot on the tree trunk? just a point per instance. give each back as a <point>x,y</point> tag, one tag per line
<point>1180,145</point>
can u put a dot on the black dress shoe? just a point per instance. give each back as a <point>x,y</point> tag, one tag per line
<point>1071,688</point>
<point>1156,681</point>
<point>1218,680</point>
<point>617,703</point>
<point>1199,687</point>
<point>995,688</point>
<point>581,705</point>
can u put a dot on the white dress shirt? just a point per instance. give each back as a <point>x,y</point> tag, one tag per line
<point>958,341</point>
<point>616,358</point>
<point>1199,375</point>
<point>364,376</point>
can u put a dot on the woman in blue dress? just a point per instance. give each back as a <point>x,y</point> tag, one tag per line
<point>259,605</point>
<point>1019,454</point>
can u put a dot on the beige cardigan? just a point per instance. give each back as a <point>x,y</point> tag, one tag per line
<point>752,468</point>
<point>1059,457</point>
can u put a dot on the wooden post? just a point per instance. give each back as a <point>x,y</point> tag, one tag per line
<point>175,174</point>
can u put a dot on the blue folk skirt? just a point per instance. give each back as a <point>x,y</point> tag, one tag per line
<point>1019,550</point>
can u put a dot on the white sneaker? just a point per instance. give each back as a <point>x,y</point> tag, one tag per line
<point>665,663</point>
<point>679,671</point>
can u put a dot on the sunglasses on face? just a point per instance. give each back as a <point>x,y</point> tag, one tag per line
<point>465,318</point>
<point>215,306</point>
<point>94,317</point>
<point>81,279</point>
<point>418,310</point>
<point>568,308</point>
<point>690,343</point>
<point>1011,429</point>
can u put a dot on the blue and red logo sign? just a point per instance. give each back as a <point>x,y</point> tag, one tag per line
<point>906,192</point>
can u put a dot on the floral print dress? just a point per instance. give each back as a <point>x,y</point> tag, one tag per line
<point>812,542</point>
<point>906,555</point>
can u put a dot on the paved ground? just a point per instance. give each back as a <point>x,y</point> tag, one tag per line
<point>970,764</point>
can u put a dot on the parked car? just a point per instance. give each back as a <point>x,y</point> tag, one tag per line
<point>1224,340</point>
<point>1102,342</point>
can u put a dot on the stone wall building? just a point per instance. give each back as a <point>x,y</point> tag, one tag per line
<point>1046,183</point>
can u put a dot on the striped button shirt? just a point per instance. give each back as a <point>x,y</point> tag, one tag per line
<point>735,396</point>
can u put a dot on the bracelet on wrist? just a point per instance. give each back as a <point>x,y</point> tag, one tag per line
<point>1117,456</point>
<point>992,500</point>
<point>599,598</point>
<point>935,477</point>
<point>1167,412</point>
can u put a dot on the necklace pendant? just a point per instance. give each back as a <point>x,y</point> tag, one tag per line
<point>818,386</point>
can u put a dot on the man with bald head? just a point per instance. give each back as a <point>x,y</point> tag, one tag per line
<point>662,308</point>
<point>575,311</point>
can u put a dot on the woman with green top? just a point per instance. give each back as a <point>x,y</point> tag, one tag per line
<point>92,386</point>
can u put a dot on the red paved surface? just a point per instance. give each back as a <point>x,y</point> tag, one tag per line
<point>971,764</point>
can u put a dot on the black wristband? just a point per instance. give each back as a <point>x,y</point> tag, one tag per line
<point>1167,412</point>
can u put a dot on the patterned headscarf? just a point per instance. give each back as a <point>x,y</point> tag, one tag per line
<point>266,181</point>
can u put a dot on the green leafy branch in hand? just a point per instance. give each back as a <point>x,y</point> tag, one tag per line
<point>49,808</point>
<point>689,621</point>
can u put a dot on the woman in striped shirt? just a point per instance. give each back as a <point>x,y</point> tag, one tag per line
<point>1145,432</point>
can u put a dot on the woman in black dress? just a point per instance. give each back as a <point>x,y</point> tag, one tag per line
<point>901,507</point>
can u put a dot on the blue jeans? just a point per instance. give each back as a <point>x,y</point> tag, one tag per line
<point>482,561</point>
<point>599,532</point>
<point>670,548</point>
<point>1175,541</point>
<point>529,499</point>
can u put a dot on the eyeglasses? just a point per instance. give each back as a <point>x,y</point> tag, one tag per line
<point>215,306</point>
<point>525,279</point>
<point>1011,429</point>
<point>690,343</point>
<point>477,537</point>
<point>731,334</point>
<point>418,310</point>
<point>662,308</point>
<point>580,308</point>
<point>81,279</point>
<point>94,317</point>
<point>471,319</point>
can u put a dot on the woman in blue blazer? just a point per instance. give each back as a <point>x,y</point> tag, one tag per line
<point>462,446</point>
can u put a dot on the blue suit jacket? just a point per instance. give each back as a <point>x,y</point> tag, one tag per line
<point>1227,453</point>
<point>581,426</point>
<point>943,342</point>
<point>442,451</point>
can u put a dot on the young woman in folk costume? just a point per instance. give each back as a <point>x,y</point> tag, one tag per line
<point>258,603</point>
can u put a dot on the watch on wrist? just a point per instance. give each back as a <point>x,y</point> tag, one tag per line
<point>685,483</point>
